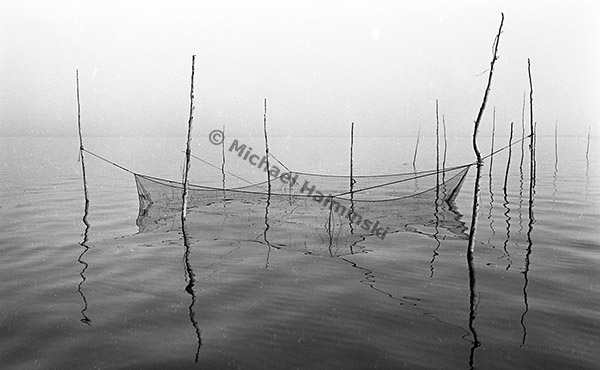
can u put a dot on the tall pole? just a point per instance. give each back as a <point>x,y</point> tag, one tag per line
<point>81,149</point>
<point>188,150</point>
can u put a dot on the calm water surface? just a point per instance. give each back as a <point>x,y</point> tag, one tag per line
<point>110,298</point>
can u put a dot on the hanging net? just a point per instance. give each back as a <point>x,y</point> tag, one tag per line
<point>317,214</point>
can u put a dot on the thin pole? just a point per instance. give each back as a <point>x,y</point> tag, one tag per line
<point>81,150</point>
<point>509,157</point>
<point>556,144</point>
<point>530,105</point>
<point>268,203</point>
<point>223,160</point>
<point>351,159</point>
<point>470,247</point>
<point>83,243</point>
<point>416,147</point>
<point>587,150</point>
<point>351,212</point>
<point>487,91</point>
<point>475,149</point>
<point>445,147</point>
<point>188,150</point>
<point>437,153</point>
<point>267,148</point>
<point>493,138</point>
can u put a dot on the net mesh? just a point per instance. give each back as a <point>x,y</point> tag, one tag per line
<point>317,214</point>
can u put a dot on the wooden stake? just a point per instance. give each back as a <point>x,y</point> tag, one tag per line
<point>267,148</point>
<point>493,138</point>
<point>416,147</point>
<point>471,244</point>
<point>487,91</point>
<point>475,209</point>
<point>445,147</point>
<point>530,105</point>
<point>556,145</point>
<point>437,153</point>
<point>533,138</point>
<point>81,150</point>
<point>587,150</point>
<point>188,150</point>
<point>351,160</point>
<point>83,243</point>
<point>223,161</point>
<point>509,157</point>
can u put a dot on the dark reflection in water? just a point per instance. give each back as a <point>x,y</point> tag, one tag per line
<point>266,230</point>
<point>506,203</point>
<point>83,243</point>
<point>80,259</point>
<point>370,280</point>
<point>191,282</point>
<point>436,213</point>
<point>532,180</point>
<point>471,265</point>
<point>490,182</point>
<point>531,222</point>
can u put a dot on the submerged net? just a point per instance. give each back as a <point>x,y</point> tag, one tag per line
<point>317,214</point>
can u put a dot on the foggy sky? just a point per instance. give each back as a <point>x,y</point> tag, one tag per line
<point>320,64</point>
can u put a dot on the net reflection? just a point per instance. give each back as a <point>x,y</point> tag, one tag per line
<point>297,221</point>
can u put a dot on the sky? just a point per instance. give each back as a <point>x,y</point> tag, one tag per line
<point>320,64</point>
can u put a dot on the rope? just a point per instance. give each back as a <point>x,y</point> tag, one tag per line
<point>423,174</point>
<point>220,169</point>
<point>109,162</point>
<point>403,180</point>
<point>434,172</point>
<point>278,161</point>
<point>504,148</point>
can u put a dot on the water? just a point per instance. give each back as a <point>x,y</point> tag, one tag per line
<point>112,299</point>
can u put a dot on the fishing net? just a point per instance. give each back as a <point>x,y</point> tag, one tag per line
<point>316,214</point>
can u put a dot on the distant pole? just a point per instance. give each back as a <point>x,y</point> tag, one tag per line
<point>437,136</point>
<point>351,211</point>
<point>533,138</point>
<point>351,159</point>
<point>267,148</point>
<point>83,243</point>
<point>509,157</point>
<point>587,150</point>
<point>437,152</point>
<point>493,138</point>
<point>445,146</point>
<point>556,144</point>
<point>81,150</point>
<point>532,131</point>
<point>188,150</point>
<point>223,160</point>
<point>417,146</point>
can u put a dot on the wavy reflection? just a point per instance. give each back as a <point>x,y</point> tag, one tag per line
<point>532,180</point>
<point>505,204</point>
<point>85,319</point>
<point>267,227</point>
<point>490,182</point>
<point>191,279</point>
<point>471,265</point>
<point>436,213</point>
<point>370,280</point>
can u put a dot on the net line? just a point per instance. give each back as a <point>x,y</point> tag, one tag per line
<point>413,175</point>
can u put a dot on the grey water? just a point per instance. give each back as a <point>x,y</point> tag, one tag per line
<point>106,297</point>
